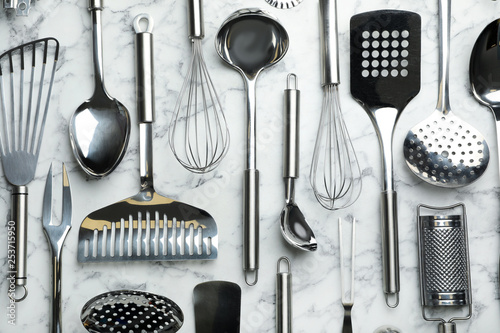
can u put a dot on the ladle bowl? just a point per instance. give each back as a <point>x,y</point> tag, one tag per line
<point>251,40</point>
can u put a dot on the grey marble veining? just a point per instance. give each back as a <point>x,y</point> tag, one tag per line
<point>316,277</point>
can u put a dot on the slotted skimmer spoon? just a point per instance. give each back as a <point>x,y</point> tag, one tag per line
<point>22,125</point>
<point>444,150</point>
<point>385,76</point>
<point>125,311</point>
<point>147,226</point>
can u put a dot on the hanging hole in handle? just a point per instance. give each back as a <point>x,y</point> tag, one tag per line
<point>143,23</point>
<point>12,296</point>
<point>392,300</point>
<point>289,81</point>
<point>287,263</point>
<point>255,277</point>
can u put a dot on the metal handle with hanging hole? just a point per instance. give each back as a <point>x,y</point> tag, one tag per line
<point>284,297</point>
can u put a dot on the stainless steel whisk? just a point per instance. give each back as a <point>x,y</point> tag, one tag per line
<point>199,136</point>
<point>335,174</point>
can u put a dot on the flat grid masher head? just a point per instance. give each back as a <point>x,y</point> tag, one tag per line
<point>125,311</point>
<point>446,151</point>
<point>444,261</point>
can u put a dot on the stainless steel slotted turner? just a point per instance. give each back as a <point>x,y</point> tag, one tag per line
<point>26,77</point>
<point>147,226</point>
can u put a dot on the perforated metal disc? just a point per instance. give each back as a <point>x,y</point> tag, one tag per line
<point>445,151</point>
<point>284,4</point>
<point>126,311</point>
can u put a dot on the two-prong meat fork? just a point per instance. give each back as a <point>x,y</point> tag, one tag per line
<point>56,234</point>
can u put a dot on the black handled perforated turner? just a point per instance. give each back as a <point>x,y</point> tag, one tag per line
<point>385,76</point>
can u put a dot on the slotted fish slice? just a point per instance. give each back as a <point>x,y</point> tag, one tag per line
<point>385,76</point>
<point>147,226</point>
<point>26,78</point>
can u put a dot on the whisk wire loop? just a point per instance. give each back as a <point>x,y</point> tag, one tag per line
<point>199,126</point>
<point>335,175</point>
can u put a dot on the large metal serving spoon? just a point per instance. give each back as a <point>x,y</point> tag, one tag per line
<point>484,73</point>
<point>99,129</point>
<point>294,226</point>
<point>484,70</point>
<point>251,40</point>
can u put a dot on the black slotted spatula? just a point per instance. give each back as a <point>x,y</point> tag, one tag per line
<point>385,76</point>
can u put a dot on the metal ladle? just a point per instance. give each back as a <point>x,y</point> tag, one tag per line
<point>294,226</point>
<point>251,40</point>
<point>99,129</point>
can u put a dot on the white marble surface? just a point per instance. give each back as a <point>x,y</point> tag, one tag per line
<point>316,288</point>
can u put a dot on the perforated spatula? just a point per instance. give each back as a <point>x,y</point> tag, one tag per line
<point>385,76</point>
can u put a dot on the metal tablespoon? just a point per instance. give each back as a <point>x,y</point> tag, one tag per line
<point>99,129</point>
<point>251,40</point>
<point>484,70</point>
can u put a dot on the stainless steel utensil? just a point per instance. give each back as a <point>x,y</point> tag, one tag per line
<point>385,76</point>
<point>444,264</point>
<point>484,71</point>
<point>56,235</point>
<point>217,307</point>
<point>444,150</point>
<point>22,126</point>
<point>147,226</point>
<point>335,175</point>
<point>199,136</point>
<point>284,297</point>
<point>347,302</point>
<point>284,4</point>
<point>251,40</point>
<point>294,226</point>
<point>125,311</point>
<point>99,129</point>
<point>22,7</point>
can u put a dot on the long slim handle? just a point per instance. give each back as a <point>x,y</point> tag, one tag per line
<point>284,298</point>
<point>386,120</point>
<point>95,8</point>
<point>56,320</point>
<point>195,19</point>
<point>145,95</point>
<point>329,42</point>
<point>251,226</point>
<point>444,55</point>
<point>19,214</point>
<point>291,140</point>
<point>251,190</point>
<point>390,247</point>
